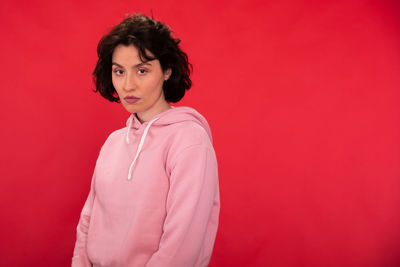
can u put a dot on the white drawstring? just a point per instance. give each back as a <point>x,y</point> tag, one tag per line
<point>140,144</point>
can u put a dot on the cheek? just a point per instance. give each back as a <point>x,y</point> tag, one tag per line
<point>157,85</point>
<point>113,80</point>
<point>150,87</point>
<point>116,85</point>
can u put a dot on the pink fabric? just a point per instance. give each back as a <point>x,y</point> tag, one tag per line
<point>167,214</point>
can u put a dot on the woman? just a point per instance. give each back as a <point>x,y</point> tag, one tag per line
<point>154,197</point>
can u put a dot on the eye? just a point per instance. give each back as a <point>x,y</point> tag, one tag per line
<point>118,72</point>
<point>141,71</point>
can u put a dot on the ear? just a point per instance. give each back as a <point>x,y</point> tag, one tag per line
<point>167,74</point>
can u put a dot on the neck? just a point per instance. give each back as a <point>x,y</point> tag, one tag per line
<point>143,117</point>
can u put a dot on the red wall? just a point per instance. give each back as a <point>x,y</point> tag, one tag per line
<point>303,101</point>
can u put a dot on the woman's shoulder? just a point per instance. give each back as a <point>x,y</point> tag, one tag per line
<point>115,139</point>
<point>119,133</point>
<point>186,126</point>
<point>189,133</point>
<point>188,138</point>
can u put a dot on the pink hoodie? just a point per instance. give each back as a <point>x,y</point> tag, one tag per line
<point>154,197</point>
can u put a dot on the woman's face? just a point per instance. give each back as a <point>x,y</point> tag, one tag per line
<point>139,84</point>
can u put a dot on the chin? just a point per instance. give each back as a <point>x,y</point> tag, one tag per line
<point>131,108</point>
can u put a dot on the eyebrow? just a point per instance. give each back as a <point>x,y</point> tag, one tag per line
<point>135,66</point>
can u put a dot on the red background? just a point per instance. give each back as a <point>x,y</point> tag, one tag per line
<point>302,98</point>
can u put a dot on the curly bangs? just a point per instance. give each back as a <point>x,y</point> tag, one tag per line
<point>145,34</point>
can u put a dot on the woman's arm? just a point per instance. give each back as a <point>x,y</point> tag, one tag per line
<point>80,258</point>
<point>192,210</point>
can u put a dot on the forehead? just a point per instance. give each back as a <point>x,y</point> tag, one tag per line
<point>127,54</point>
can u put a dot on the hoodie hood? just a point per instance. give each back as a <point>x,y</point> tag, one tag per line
<point>170,116</point>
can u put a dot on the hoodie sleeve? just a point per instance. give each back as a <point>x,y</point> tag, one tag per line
<point>80,258</point>
<point>192,210</point>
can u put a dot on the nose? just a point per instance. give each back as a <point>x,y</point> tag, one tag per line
<point>129,82</point>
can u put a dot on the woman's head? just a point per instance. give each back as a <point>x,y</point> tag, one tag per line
<point>153,41</point>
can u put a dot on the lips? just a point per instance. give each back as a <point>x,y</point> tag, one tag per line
<point>131,99</point>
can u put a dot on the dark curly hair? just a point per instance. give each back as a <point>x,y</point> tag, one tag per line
<point>145,34</point>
